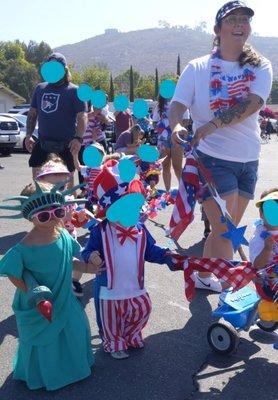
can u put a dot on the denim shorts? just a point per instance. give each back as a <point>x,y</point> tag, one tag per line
<point>230,176</point>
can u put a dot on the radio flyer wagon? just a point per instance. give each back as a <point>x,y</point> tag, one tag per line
<point>238,311</point>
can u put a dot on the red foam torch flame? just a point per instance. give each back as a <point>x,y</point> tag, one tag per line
<point>45,308</point>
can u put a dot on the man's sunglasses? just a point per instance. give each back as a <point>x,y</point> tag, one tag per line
<point>45,216</point>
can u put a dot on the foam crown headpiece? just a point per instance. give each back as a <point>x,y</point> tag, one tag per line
<point>40,200</point>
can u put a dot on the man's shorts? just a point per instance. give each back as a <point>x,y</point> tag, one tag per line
<point>230,176</point>
<point>40,156</point>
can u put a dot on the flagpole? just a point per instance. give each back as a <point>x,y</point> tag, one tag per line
<point>212,189</point>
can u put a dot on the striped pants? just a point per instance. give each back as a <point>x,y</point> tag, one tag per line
<point>123,321</point>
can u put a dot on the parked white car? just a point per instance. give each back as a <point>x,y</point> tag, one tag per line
<point>20,109</point>
<point>9,134</point>
<point>22,120</point>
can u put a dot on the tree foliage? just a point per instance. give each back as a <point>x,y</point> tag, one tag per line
<point>97,77</point>
<point>122,81</point>
<point>37,53</point>
<point>12,51</point>
<point>21,77</point>
<point>169,75</point>
<point>145,88</point>
<point>16,72</point>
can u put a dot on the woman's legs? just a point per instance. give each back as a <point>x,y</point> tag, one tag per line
<point>241,207</point>
<point>216,245</point>
<point>177,157</point>
<point>166,168</point>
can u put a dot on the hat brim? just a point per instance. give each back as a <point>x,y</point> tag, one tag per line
<point>270,196</point>
<point>248,10</point>
<point>53,173</point>
<point>57,57</point>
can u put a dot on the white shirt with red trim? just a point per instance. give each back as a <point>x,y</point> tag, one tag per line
<point>126,283</point>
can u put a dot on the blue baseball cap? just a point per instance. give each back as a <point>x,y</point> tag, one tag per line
<point>231,6</point>
<point>58,57</point>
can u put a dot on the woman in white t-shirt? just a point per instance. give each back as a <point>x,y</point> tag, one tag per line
<point>171,151</point>
<point>224,92</point>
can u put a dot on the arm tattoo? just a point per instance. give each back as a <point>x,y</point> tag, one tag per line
<point>233,113</point>
<point>31,122</point>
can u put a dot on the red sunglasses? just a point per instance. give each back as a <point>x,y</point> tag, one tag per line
<point>45,216</point>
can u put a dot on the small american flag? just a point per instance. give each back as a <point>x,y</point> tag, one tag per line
<point>183,212</point>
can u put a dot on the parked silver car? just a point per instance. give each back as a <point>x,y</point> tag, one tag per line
<point>9,134</point>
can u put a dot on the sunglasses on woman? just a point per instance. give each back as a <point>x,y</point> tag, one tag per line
<point>45,216</point>
<point>235,20</point>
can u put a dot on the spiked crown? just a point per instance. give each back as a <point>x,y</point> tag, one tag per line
<point>40,200</point>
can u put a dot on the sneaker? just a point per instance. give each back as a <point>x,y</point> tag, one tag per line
<point>209,283</point>
<point>77,289</point>
<point>119,355</point>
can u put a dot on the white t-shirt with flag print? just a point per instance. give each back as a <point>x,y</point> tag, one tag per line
<point>239,142</point>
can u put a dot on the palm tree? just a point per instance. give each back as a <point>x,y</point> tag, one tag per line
<point>111,89</point>
<point>178,66</point>
<point>156,88</point>
<point>131,84</point>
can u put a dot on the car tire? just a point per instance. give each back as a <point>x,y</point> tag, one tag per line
<point>6,151</point>
<point>24,146</point>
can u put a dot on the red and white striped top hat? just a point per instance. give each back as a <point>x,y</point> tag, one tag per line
<point>109,187</point>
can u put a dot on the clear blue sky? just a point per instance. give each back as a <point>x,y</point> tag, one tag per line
<point>61,22</point>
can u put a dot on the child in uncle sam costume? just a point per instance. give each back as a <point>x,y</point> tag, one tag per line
<point>263,252</point>
<point>54,348</point>
<point>122,303</point>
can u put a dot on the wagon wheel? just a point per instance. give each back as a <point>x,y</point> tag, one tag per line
<point>223,338</point>
<point>267,326</point>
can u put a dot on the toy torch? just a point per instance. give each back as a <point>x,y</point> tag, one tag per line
<point>38,296</point>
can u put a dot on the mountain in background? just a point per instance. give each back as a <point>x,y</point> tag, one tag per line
<point>153,48</point>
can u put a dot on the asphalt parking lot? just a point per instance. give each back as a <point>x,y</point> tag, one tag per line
<point>177,362</point>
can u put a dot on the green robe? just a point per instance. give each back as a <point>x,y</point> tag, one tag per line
<point>55,354</point>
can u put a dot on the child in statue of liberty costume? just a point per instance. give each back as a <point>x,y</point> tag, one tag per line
<point>50,354</point>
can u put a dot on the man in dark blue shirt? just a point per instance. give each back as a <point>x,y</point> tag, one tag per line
<point>61,120</point>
